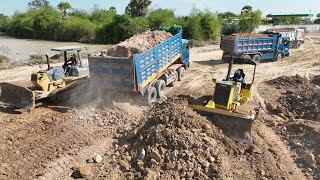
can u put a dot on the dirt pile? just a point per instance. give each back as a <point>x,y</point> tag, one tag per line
<point>245,35</point>
<point>316,80</point>
<point>137,44</point>
<point>277,30</point>
<point>175,142</point>
<point>300,98</point>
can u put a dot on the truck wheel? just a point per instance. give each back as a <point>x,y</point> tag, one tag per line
<point>161,87</point>
<point>151,96</point>
<point>256,58</point>
<point>298,45</point>
<point>225,58</point>
<point>246,57</point>
<point>278,57</point>
<point>173,83</point>
<point>186,66</point>
<point>181,71</point>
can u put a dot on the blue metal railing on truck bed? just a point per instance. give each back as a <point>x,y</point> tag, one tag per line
<point>242,45</point>
<point>157,59</point>
<point>133,74</point>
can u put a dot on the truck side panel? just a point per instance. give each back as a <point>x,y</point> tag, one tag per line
<point>134,74</point>
<point>245,45</point>
<point>154,61</point>
<point>112,73</point>
<point>254,45</point>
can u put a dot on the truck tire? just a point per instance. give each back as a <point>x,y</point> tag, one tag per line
<point>161,88</point>
<point>246,57</point>
<point>151,95</point>
<point>173,83</point>
<point>187,65</point>
<point>225,58</point>
<point>278,57</point>
<point>181,72</point>
<point>298,45</point>
<point>256,58</point>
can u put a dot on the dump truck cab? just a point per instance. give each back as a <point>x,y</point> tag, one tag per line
<point>283,45</point>
<point>186,45</point>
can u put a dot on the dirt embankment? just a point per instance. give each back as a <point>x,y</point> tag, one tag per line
<point>296,100</point>
<point>176,142</point>
<point>300,98</point>
<point>137,44</point>
<point>316,80</point>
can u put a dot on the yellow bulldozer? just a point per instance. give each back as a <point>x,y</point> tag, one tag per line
<point>224,104</point>
<point>48,82</point>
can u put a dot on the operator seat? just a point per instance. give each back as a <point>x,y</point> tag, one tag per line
<point>239,76</point>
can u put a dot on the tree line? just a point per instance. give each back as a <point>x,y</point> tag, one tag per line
<point>63,23</point>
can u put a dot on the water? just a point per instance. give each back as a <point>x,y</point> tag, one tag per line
<point>19,50</point>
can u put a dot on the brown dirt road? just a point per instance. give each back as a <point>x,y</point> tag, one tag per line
<point>49,141</point>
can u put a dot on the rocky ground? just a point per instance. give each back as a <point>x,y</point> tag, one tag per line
<point>113,137</point>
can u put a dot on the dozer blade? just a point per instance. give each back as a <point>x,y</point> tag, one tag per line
<point>236,126</point>
<point>17,96</point>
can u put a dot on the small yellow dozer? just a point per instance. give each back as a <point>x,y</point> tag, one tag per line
<point>48,82</point>
<point>223,105</point>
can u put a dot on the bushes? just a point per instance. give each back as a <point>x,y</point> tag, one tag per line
<point>3,23</point>
<point>105,26</point>
<point>161,17</point>
<point>75,29</point>
<point>123,27</point>
<point>203,27</point>
<point>44,23</point>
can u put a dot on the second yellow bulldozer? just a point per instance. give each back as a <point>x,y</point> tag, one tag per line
<point>228,95</point>
<point>48,82</point>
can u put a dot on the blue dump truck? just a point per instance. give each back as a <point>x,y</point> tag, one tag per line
<point>255,47</point>
<point>147,73</point>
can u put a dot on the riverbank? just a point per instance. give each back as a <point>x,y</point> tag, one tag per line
<point>21,51</point>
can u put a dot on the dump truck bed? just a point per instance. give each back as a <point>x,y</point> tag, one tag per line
<point>133,74</point>
<point>237,45</point>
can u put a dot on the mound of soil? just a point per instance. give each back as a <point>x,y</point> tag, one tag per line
<point>245,35</point>
<point>300,97</point>
<point>175,142</point>
<point>277,30</point>
<point>4,61</point>
<point>316,80</point>
<point>137,44</point>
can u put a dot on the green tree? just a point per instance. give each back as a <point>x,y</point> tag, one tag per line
<point>64,6</point>
<point>249,20</point>
<point>317,21</point>
<point>123,27</point>
<point>246,9</point>
<point>113,9</point>
<point>161,17</point>
<point>38,4</point>
<point>138,8</point>
<point>228,17</point>
<point>79,13</point>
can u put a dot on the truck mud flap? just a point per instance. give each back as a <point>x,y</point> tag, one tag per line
<point>17,96</point>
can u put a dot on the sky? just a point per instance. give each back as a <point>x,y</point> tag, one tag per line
<point>183,7</point>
